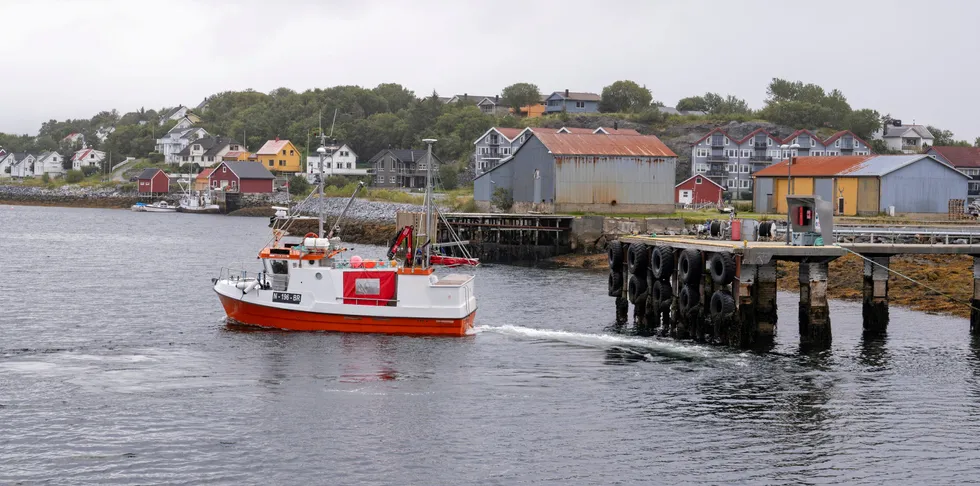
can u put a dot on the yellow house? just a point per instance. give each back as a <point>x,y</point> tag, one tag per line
<point>279,156</point>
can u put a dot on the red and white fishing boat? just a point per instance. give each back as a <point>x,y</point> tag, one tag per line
<point>313,284</point>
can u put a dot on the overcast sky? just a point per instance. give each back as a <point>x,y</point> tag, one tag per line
<point>914,59</point>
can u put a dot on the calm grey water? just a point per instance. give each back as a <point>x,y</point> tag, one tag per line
<point>116,367</point>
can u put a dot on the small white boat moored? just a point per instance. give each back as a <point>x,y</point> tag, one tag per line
<point>157,207</point>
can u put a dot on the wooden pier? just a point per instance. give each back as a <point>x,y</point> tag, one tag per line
<point>725,291</point>
<point>503,238</point>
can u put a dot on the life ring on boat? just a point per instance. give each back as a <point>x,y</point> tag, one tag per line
<point>310,235</point>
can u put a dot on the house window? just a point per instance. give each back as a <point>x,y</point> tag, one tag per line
<point>282,163</point>
<point>91,156</point>
<point>832,153</point>
<point>837,143</point>
<point>794,152</point>
<point>290,152</point>
<point>348,165</point>
<point>284,151</point>
<point>746,154</point>
<point>816,153</point>
<point>328,165</point>
<point>392,179</point>
<point>769,142</point>
<point>381,179</point>
<point>702,168</point>
<point>702,152</point>
<point>223,170</point>
<point>744,168</point>
<point>731,153</point>
<point>744,183</point>
<point>813,142</point>
<point>698,180</point>
<point>272,163</point>
<point>580,104</point>
<point>732,182</point>
<point>726,140</point>
<point>421,166</point>
<point>185,158</point>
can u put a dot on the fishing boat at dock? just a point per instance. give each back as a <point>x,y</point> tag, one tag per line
<point>157,207</point>
<point>313,284</point>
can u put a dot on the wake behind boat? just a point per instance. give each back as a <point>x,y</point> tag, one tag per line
<point>309,284</point>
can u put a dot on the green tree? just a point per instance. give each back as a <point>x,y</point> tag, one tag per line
<point>397,97</point>
<point>942,138</point>
<point>693,103</point>
<point>448,176</point>
<point>624,96</point>
<point>502,199</point>
<point>74,176</point>
<point>976,142</point>
<point>521,94</point>
<point>863,123</point>
<point>298,185</point>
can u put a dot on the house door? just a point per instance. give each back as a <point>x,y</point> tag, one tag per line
<point>687,197</point>
<point>537,186</point>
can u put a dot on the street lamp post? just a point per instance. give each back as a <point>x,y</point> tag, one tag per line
<point>789,182</point>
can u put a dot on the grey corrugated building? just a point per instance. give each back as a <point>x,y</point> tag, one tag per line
<point>566,172</point>
<point>862,185</point>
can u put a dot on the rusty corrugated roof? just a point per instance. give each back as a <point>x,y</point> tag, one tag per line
<point>814,166</point>
<point>960,156</point>
<point>599,144</point>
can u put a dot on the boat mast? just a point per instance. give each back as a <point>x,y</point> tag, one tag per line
<point>322,151</point>
<point>428,200</point>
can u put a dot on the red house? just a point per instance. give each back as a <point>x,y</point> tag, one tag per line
<point>698,189</point>
<point>153,181</point>
<point>241,177</point>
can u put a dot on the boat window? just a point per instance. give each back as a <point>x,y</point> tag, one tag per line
<point>279,266</point>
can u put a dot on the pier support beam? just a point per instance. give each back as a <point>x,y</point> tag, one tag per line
<point>975,301</point>
<point>814,312</point>
<point>875,306</point>
<point>622,310</point>
<point>765,301</point>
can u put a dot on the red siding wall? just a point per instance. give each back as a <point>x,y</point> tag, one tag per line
<point>222,173</point>
<point>252,186</point>
<point>159,183</point>
<point>703,192</point>
<point>246,186</point>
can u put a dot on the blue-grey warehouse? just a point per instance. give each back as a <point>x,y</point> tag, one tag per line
<point>598,173</point>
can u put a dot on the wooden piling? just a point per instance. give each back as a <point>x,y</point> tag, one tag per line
<point>764,295</point>
<point>875,295</point>
<point>975,301</point>
<point>815,332</point>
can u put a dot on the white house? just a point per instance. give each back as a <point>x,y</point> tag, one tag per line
<point>87,157</point>
<point>908,139</point>
<point>207,151</point>
<point>5,161</point>
<point>176,140</point>
<point>50,163</point>
<point>103,133</point>
<point>174,114</point>
<point>339,160</point>
<point>22,165</point>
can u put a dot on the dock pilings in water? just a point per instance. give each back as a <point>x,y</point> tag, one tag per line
<point>724,292</point>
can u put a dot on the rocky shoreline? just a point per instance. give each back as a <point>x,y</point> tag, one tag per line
<point>69,196</point>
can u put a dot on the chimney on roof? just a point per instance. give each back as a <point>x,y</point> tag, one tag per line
<point>566,92</point>
<point>496,98</point>
<point>615,125</point>
<point>466,96</point>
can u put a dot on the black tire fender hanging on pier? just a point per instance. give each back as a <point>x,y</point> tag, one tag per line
<point>721,267</point>
<point>615,284</point>
<point>661,292</point>
<point>662,262</point>
<point>615,255</point>
<point>636,287</point>
<point>636,259</point>
<point>689,266</point>
<point>722,303</point>
<point>688,298</point>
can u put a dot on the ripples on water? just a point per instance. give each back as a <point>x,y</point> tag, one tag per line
<point>116,367</point>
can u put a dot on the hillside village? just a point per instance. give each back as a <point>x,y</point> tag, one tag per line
<point>563,151</point>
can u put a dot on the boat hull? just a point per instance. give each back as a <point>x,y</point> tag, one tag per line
<point>252,314</point>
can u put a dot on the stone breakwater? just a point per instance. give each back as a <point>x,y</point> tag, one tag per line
<point>69,196</point>
<point>360,209</point>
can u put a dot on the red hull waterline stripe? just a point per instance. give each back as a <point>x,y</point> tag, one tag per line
<point>275,318</point>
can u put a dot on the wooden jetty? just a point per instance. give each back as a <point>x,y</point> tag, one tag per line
<point>725,291</point>
<point>502,238</point>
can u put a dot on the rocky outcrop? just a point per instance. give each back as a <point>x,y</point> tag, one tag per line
<point>71,196</point>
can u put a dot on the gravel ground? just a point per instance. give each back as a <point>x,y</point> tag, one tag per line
<point>360,209</point>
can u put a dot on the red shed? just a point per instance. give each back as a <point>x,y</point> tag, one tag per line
<point>153,181</point>
<point>698,189</point>
<point>242,177</point>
